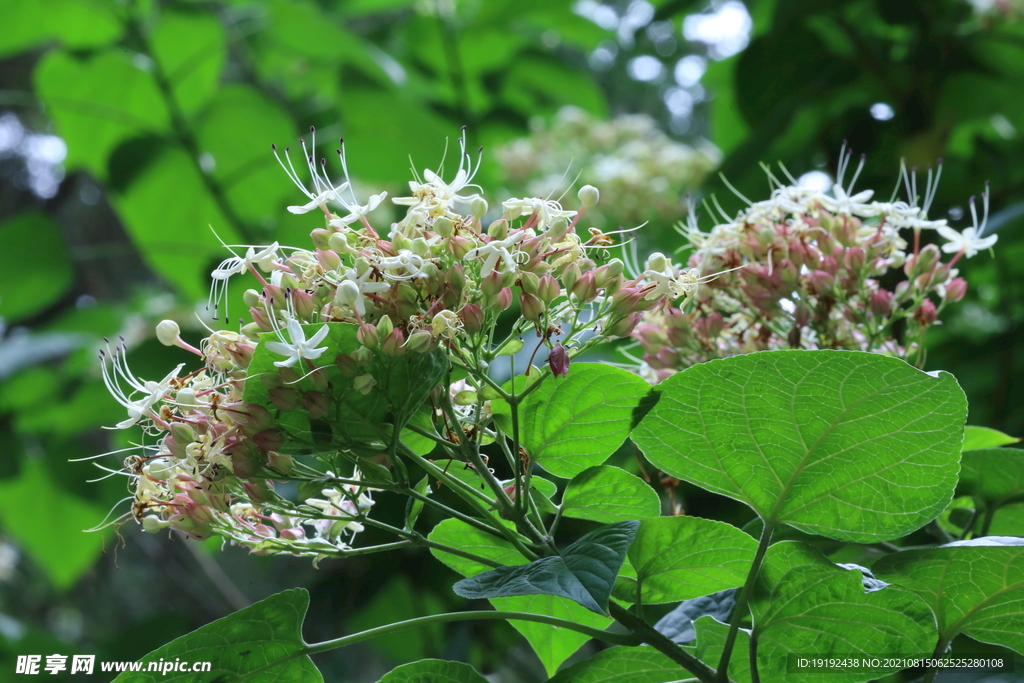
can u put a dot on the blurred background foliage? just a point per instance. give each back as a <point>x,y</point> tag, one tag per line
<point>135,136</point>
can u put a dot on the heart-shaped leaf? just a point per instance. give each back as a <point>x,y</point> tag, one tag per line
<point>609,494</point>
<point>261,642</point>
<point>973,587</point>
<point>678,558</point>
<point>854,446</point>
<point>585,571</point>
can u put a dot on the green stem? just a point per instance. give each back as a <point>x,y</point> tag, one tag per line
<point>427,500</point>
<point>662,643</point>
<point>614,638</point>
<point>986,522</point>
<point>940,650</point>
<point>741,602</point>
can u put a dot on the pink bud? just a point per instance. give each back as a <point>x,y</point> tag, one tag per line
<point>285,399</point>
<point>502,301</point>
<point>558,359</point>
<point>532,308</point>
<point>317,404</point>
<point>623,326</point>
<point>491,285</point>
<point>327,259</point>
<point>821,282</point>
<point>585,288</point>
<point>854,259</point>
<point>420,341</point>
<point>282,462</point>
<point>367,336</point>
<point>925,313</point>
<point>269,439</point>
<point>393,345</point>
<point>956,289</point>
<point>472,317</point>
<point>321,238</point>
<point>881,303</point>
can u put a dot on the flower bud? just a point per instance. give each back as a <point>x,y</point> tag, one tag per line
<point>513,347</point>
<point>364,384</point>
<point>456,277</point>
<point>467,397</point>
<point>625,301</point>
<point>392,345</point>
<point>459,246</point>
<point>367,335</point>
<point>338,243</point>
<point>956,289</point>
<point>384,328</point>
<point>258,492</point>
<point>548,289</point>
<point>570,276</point>
<point>317,404</point>
<point>251,297</point>
<point>532,308</point>
<point>168,332</point>
<point>269,439</point>
<point>925,313</point>
<point>557,229</point>
<point>347,294</point>
<point>502,301</point>
<point>282,462</point>
<point>303,303</point>
<point>802,314</point>
<point>927,259</point>
<point>657,261</point>
<point>152,524</point>
<point>445,324</point>
<point>321,238</point>
<point>558,359</point>
<point>585,288</point>
<point>498,230</point>
<point>880,303</point>
<point>251,331</point>
<point>478,207</point>
<point>854,259</point>
<point>472,317</point>
<point>420,341</point>
<point>443,226</point>
<point>491,285</point>
<point>347,365</point>
<point>529,282</point>
<point>821,282</point>
<point>588,196</point>
<point>285,399</point>
<point>328,260</point>
<point>623,326</point>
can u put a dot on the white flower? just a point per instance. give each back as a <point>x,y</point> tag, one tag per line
<point>237,265</point>
<point>322,192</point>
<point>404,266</point>
<point>494,250</point>
<point>967,241</point>
<point>547,210</point>
<point>849,205</point>
<point>353,288</point>
<point>116,372</point>
<point>356,211</point>
<point>299,347</point>
<point>435,195</point>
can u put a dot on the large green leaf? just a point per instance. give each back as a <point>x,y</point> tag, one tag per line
<point>622,665</point>
<point>190,49</point>
<point>679,558</point>
<point>576,422</point>
<point>609,494</point>
<point>434,671</point>
<point>805,604</point>
<point>552,644</point>
<point>854,446</point>
<point>29,283</point>
<point>994,478</point>
<point>262,642</point>
<point>49,523</point>
<point>77,24</point>
<point>976,438</point>
<point>973,587</point>
<point>398,600</point>
<point>711,636</point>
<point>585,571</point>
<point>97,102</point>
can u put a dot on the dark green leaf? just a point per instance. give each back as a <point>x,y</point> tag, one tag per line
<point>994,478</point>
<point>711,635</point>
<point>854,446</point>
<point>434,671</point>
<point>806,604</point>
<point>609,494</point>
<point>398,600</point>
<point>260,642</point>
<point>678,558</point>
<point>622,665</point>
<point>678,624</point>
<point>976,438</point>
<point>973,587</point>
<point>30,283</point>
<point>576,422</point>
<point>585,571</point>
<point>415,506</point>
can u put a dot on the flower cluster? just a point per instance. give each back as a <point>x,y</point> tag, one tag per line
<point>642,172</point>
<point>804,269</point>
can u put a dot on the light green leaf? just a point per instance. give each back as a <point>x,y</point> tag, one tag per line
<point>99,101</point>
<point>711,635</point>
<point>552,644</point>
<point>994,478</point>
<point>973,587</point>
<point>976,438</point>
<point>805,604</point>
<point>609,494</point>
<point>37,265</point>
<point>854,446</point>
<point>414,506</point>
<point>585,571</point>
<point>259,642</point>
<point>190,49</point>
<point>434,671</point>
<point>678,558</point>
<point>49,523</point>
<point>169,214</point>
<point>78,24</point>
<point>576,422</point>
<point>622,665</point>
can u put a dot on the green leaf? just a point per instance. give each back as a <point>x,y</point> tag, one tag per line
<point>49,523</point>
<point>398,600</point>
<point>552,644</point>
<point>973,587</point>
<point>415,506</point>
<point>621,665</point>
<point>854,446</point>
<point>37,265</point>
<point>98,102</point>
<point>78,24</point>
<point>190,49</point>
<point>994,478</point>
<point>678,558</point>
<point>576,422</point>
<point>678,626</point>
<point>585,571</point>
<point>711,635</point>
<point>609,494</point>
<point>434,671</point>
<point>175,236</point>
<point>976,438</point>
<point>260,642</point>
<point>805,604</point>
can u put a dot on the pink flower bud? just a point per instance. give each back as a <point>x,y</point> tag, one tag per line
<point>269,439</point>
<point>502,301</point>
<point>529,282</point>
<point>254,418</point>
<point>558,359</point>
<point>830,265</point>
<point>821,282</point>
<point>548,290</point>
<point>854,259</point>
<point>259,317</point>
<point>956,289</point>
<point>571,274</point>
<point>328,259</point>
<point>585,288</point>
<point>472,317</point>
<point>258,492</point>
<point>317,404</point>
<point>321,238</point>
<point>491,285</point>
<point>348,366</point>
<point>303,303</point>
<point>367,336</point>
<point>625,301</point>
<point>532,308</point>
<point>880,303</point>
<point>285,399</point>
<point>393,345</point>
<point>925,314</point>
<point>420,341</point>
<point>623,326</point>
<point>459,246</point>
<point>282,462</point>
